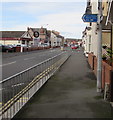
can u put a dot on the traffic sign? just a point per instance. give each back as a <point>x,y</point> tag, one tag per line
<point>90,17</point>
<point>36,34</point>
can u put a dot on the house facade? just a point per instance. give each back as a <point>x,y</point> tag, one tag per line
<point>44,35</point>
<point>109,21</point>
<point>86,40</point>
<point>90,40</point>
<point>56,39</point>
<point>15,38</point>
<point>90,35</point>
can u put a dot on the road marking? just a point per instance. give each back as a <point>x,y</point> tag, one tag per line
<point>53,50</point>
<point>8,63</point>
<point>41,75</point>
<point>0,103</point>
<point>23,99</point>
<point>1,89</point>
<point>17,85</point>
<point>29,58</point>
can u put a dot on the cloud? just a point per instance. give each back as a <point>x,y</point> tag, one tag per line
<point>30,1</point>
<point>69,23</point>
<point>44,1</point>
<point>46,7</point>
<point>62,17</point>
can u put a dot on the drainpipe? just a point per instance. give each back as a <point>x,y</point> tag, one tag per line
<point>111,45</point>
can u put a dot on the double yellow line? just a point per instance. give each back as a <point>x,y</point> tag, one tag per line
<point>30,85</point>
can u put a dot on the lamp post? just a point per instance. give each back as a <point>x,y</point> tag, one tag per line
<point>99,49</point>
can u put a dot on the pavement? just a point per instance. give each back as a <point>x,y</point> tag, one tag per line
<point>70,93</point>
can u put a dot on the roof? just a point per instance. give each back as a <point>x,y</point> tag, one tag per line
<point>73,39</point>
<point>55,32</point>
<point>59,36</point>
<point>38,29</point>
<point>35,29</point>
<point>48,33</point>
<point>11,34</point>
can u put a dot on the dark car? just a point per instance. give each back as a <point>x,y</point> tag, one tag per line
<point>7,48</point>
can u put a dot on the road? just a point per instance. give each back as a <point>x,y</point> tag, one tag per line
<point>16,64</point>
<point>13,64</point>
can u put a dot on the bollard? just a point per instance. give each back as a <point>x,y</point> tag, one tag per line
<point>21,50</point>
<point>62,48</point>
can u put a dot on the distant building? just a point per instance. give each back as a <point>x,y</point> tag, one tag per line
<point>56,39</point>
<point>44,35</point>
<point>15,37</point>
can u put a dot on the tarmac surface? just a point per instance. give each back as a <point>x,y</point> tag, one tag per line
<point>70,93</point>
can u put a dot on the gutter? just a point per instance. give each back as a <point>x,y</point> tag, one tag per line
<point>108,13</point>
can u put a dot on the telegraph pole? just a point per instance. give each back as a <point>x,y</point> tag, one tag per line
<point>99,48</point>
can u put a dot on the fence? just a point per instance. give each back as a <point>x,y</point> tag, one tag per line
<point>19,88</point>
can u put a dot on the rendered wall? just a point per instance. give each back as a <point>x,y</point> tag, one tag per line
<point>106,38</point>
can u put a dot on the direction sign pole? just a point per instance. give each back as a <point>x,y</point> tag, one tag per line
<point>99,50</point>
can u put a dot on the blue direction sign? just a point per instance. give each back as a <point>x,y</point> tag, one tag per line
<point>90,18</point>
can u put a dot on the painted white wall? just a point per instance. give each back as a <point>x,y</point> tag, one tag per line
<point>92,37</point>
<point>53,39</point>
<point>59,40</point>
<point>9,42</point>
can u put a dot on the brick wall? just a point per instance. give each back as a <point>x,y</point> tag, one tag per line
<point>107,71</point>
<point>91,60</point>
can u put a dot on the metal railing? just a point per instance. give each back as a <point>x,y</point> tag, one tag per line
<point>19,88</point>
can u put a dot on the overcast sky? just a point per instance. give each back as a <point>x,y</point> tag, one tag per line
<point>61,16</point>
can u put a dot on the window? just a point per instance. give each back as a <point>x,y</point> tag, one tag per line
<point>23,41</point>
<point>89,43</point>
<point>90,23</point>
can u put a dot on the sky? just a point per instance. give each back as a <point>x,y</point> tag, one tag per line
<point>64,17</point>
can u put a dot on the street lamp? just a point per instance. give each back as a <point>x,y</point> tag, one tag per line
<point>99,49</point>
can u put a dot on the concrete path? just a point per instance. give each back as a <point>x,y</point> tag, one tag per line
<point>70,93</point>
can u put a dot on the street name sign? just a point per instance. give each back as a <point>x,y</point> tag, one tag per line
<point>90,17</point>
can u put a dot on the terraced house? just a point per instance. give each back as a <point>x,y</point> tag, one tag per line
<point>90,43</point>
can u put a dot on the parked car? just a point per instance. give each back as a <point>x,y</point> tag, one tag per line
<point>21,45</point>
<point>7,48</point>
<point>43,45</point>
<point>74,46</point>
